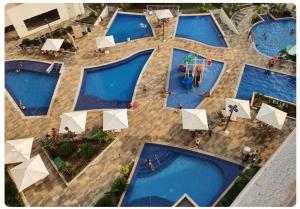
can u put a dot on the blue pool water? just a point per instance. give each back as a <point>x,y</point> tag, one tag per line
<point>202,177</point>
<point>111,85</point>
<point>200,28</point>
<point>179,93</point>
<point>278,85</point>
<point>129,26</point>
<point>271,36</point>
<point>33,85</point>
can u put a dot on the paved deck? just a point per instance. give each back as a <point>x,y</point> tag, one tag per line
<point>150,121</point>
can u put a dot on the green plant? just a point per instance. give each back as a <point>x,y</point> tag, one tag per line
<point>125,170</point>
<point>255,18</point>
<point>67,168</point>
<point>66,45</point>
<point>125,6</point>
<point>119,185</point>
<point>26,42</point>
<point>12,196</point>
<point>277,9</point>
<point>69,29</point>
<point>203,8</point>
<point>93,14</point>
<point>66,149</point>
<point>230,8</point>
<point>48,143</point>
<point>87,150</point>
<point>106,201</point>
<point>261,9</point>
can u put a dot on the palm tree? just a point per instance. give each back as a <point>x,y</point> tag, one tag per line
<point>67,168</point>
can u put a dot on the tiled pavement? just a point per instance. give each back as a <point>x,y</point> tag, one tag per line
<point>150,121</point>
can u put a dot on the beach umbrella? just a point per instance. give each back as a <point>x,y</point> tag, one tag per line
<point>105,41</point>
<point>291,50</point>
<point>272,116</point>
<point>29,172</point>
<point>242,108</point>
<point>75,121</point>
<point>18,150</point>
<point>163,14</point>
<point>115,119</point>
<point>194,119</point>
<point>52,44</point>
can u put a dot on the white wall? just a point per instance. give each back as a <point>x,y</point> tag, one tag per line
<point>226,20</point>
<point>104,13</point>
<point>21,12</point>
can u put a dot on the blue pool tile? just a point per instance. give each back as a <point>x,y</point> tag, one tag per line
<point>200,28</point>
<point>131,26</point>
<point>277,85</point>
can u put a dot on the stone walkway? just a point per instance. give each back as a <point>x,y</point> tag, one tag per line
<point>150,121</point>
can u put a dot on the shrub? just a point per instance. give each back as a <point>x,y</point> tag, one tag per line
<point>67,168</point>
<point>125,6</point>
<point>48,143</point>
<point>124,170</point>
<point>87,151</point>
<point>93,14</point>
<point>101,136</point>
<point>66,148</point>
<point>69,29</point>
<point>204,7</point>
<point>26,42</point>
<point>106,201</point>
<point>66,45</point>
<point>12,196</point>
<point>286,13</point>
<point>119,186</point>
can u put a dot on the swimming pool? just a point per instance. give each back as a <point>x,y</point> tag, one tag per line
<point>273,35</point>
<point>133,26</point>
<point>33,86</point>
<point>277,85</point>
<point>111,85</point>
<point>190,98</point>
<point>177,171</point>
<point>200,28</point>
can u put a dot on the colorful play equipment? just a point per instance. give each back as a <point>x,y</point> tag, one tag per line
<point>193,69</point>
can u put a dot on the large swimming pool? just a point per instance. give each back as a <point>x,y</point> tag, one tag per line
<point>111,85</point>
<point>271,36</point>
<point>33,86</point>
<point>133,26</point>
<point>190,98</point>
<point>277,85</point>
<point>177,171</point>
<point>200,28</point>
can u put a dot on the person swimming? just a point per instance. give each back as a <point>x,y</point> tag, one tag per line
<point>22,106</point>
<point>265,36</point>
<point>292,31</point>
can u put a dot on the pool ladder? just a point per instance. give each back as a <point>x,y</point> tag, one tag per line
<point>157,159</point>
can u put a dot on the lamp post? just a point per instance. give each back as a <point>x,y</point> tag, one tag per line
<point>231,109</point>
<point>46,20</point>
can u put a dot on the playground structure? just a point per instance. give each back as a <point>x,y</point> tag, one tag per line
<point>193,68</point>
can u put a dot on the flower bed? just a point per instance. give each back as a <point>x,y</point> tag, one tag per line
<point>12,196</point>
<point>238,186</point>
<point>70,156</point>
<point>112,198</point>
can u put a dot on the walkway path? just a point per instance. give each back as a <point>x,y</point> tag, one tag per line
<point>150,121</point>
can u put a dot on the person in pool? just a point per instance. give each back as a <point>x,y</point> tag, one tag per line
<point>292,31</point>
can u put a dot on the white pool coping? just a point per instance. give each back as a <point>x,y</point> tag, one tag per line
<point>199,42</point>
<point>108,63</point>
<point>17,108</point>
<point>169,74</point>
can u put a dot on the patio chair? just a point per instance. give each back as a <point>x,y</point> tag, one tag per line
<point>58,162</point>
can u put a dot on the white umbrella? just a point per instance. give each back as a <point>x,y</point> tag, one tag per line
<point>115,119</point>
<point>75,121</point>
<point>29,172</point>
<point>272,116</point>
<point>291,50</point>
<point>243,108</point>
<point>194,119</point>
<point>105,41</point>
<point>18,150</point>
<point>163,14</point>
<point>52,44</point>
